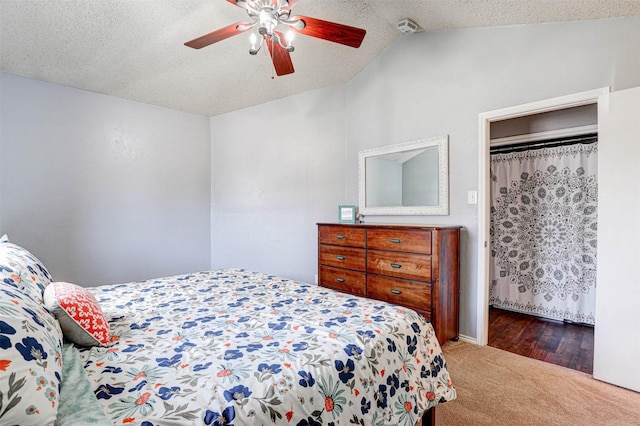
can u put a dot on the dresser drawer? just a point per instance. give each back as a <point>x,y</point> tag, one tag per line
<point>400,265</point>
<point>342,279</point>
<point>343,257</point>
<point>410,241</point>
<point>342,236</point>
<point>406,293</point>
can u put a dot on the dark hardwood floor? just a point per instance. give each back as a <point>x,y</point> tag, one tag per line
<point>565,344</point>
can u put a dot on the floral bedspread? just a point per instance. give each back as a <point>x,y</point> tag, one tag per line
<point>238,347</point>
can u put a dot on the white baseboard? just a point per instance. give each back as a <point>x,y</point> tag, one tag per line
<point>468,339</point>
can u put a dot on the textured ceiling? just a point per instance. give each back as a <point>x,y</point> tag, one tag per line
<point>134,49</point>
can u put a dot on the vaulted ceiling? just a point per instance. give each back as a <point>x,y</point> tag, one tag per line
<point>134,49</point>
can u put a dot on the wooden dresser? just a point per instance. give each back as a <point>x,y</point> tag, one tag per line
<point>409,265</point>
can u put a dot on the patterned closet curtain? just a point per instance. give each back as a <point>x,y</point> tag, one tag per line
<point>543,231</point>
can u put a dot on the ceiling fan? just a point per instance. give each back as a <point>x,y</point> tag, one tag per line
<point>266,16</point>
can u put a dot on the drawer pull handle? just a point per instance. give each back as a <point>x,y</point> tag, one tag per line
<point>396,265</point>
<point>394,291</point>
<point>340,257</point>
<point>340,280</point>
<point>340,237</point>
<point>396,240</point>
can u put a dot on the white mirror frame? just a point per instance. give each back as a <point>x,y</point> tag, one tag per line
<point>442,142</point>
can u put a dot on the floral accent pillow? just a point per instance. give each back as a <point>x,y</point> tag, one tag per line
<point>80,316</point>
<point>20,268</point>
<point>30,360</point>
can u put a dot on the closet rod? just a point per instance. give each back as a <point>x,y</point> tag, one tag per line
<point>551,143</point>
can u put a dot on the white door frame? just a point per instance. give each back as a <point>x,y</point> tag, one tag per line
<point>484,137</point>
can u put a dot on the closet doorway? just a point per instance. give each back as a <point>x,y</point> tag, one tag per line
<point>511,118</point>
<point>543,232</point>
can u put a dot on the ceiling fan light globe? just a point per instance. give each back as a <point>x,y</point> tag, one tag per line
<point>290,37</point>
<point>298,24</point>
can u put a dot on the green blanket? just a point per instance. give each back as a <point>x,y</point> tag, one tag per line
<point>78,404</point>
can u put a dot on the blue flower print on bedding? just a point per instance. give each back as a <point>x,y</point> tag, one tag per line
<point>235,347</point>
<point>5,341</point>
<point>30,359</point>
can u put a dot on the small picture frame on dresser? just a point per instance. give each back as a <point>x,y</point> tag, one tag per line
<point>346,214</point>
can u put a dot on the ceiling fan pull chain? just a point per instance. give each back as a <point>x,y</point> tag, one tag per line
<point>273,67</point>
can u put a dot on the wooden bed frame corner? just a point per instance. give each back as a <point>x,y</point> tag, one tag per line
<point>428,418</point>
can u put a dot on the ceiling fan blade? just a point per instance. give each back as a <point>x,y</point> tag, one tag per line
<point>331,31</point>
<point>281,58</point>
<point>290,5</point>
<point>216,36</point>
<point>239,3</point>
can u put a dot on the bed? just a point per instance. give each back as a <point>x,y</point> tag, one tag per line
<point>217,348</point>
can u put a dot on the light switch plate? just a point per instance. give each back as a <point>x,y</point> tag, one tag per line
<point>472,197</point>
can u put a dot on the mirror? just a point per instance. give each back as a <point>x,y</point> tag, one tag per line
<point>410,178</point>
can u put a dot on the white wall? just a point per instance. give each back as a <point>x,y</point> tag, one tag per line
<point>277,170</point>
<point>102,189</point>
<point>617,329</point>
<point>427,84</point>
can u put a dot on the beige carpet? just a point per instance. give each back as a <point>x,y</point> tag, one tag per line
<point>496,387</point>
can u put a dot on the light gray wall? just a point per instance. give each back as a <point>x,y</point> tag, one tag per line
<point>102,189</point>
<point>427,84</point>
<point>277,170</point>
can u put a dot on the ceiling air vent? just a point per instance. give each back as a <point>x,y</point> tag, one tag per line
<point>407,26</point>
